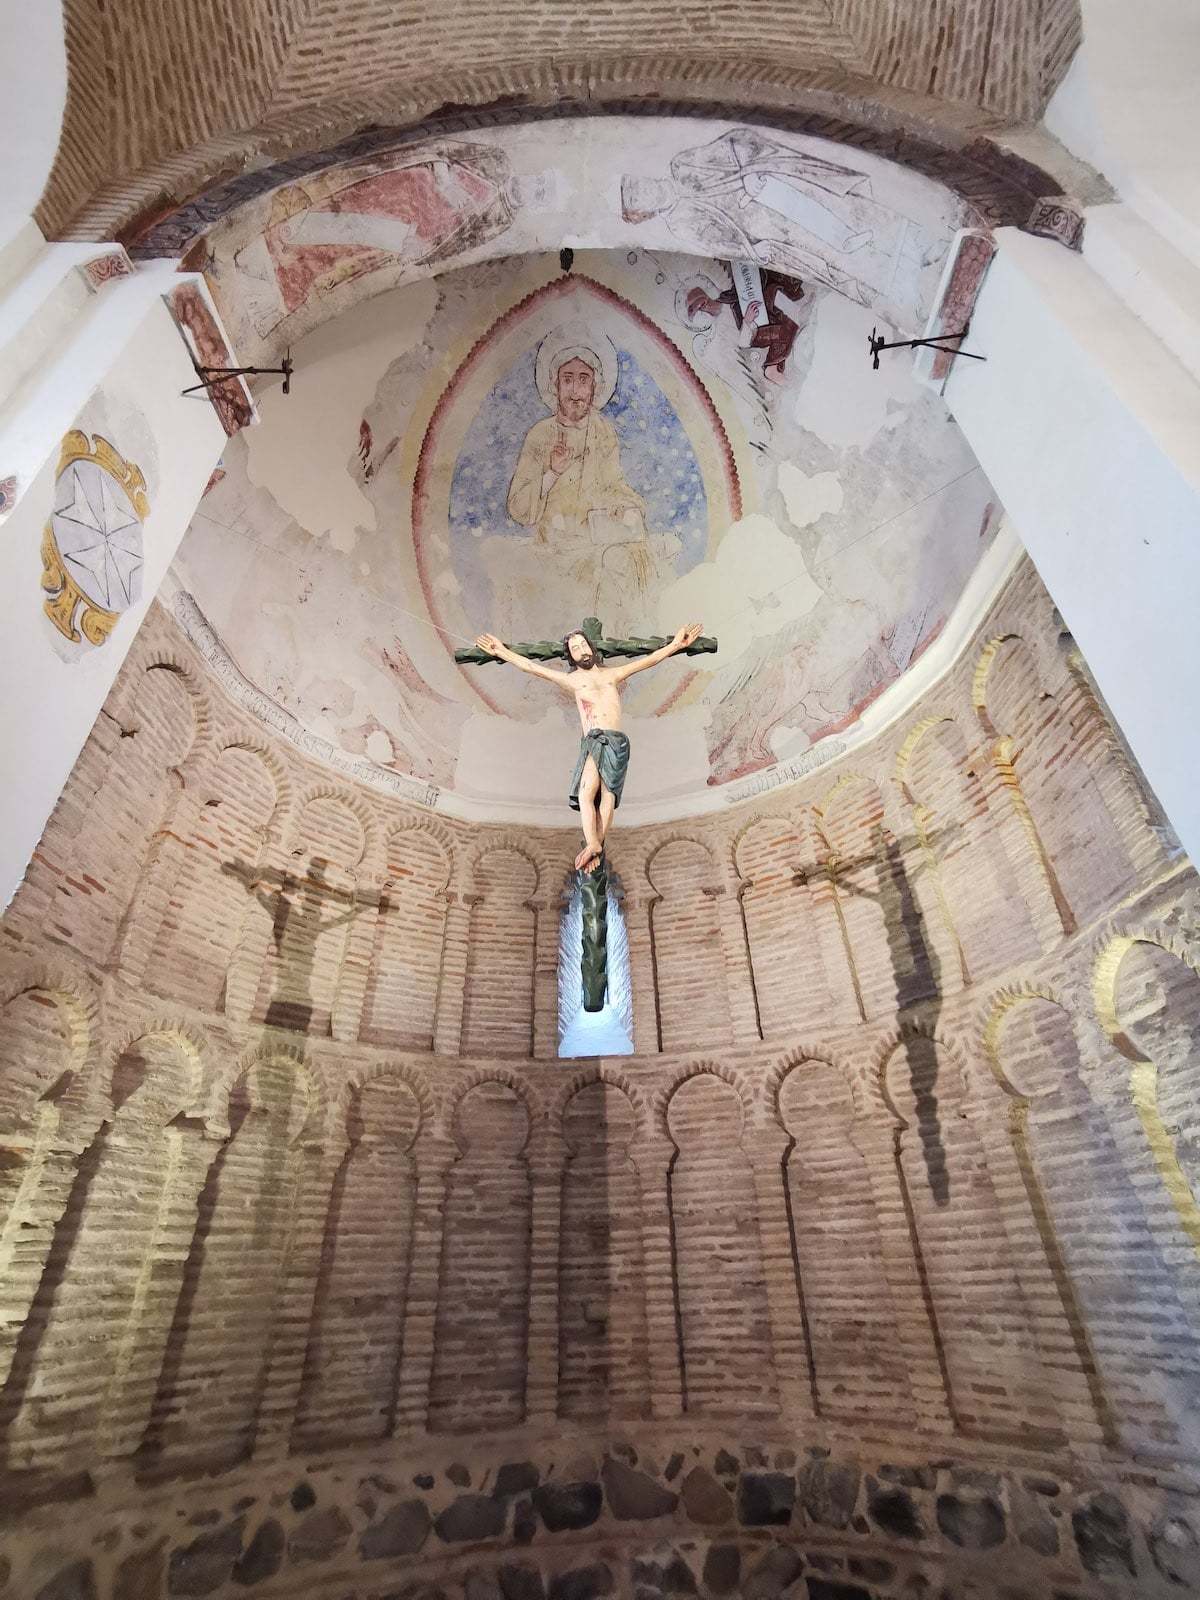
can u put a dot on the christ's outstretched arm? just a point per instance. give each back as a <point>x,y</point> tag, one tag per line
<point>496,647</point>
<point>683,638</point>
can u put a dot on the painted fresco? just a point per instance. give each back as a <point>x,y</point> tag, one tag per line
<point>722,450</point>
<point>574,466</point>
<point>288,258</point>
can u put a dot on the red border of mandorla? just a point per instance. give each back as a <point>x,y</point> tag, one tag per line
<point>516,313</point>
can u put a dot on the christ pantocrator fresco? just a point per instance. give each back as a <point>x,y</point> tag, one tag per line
<point>569,486</point>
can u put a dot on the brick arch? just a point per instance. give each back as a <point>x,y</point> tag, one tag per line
<point>603,1346</point>
<point>359,1077</point>
<point>70,990</point>
<point>836,1239</point>
<point>160,660</point>
<point>236,739</point>
<point>781,819</point>
<point>669,843</point>
<point>772,857</point>
<point>908,749</point>
<point>981,678</point>
<point>464,1086</point>
<point>113,1259</point>
<point>890,954</point>
<point>183,939</point>
<point>1091,1222</point>
<point>407,944</point>
<point>896,1039</point>
<point>207,1409</point>
<point>961,837</point>
<point>689,963</point>
<point>696,1069</point>
<point>361,812</point>
<point>999,1011</point>
<point>511,843</point>
<point>612,1076</point>
<point>349,1388</point>
<point>775,90</point>
<point>1110,949</point>
<point>1043,760</point>
<point>798,1056</point>
<point>432,830</point>
<point>317,1100</point>
<point>187,1037</point>
<point>718,1280</point>
<point>1161,1060</point>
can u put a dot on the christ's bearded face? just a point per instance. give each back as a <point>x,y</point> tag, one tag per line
<point>576,390</point>
<point>580,652</point>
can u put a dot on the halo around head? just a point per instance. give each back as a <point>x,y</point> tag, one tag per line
<point>576,341</point>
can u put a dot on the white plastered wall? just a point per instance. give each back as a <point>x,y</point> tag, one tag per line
<point>50,703</point>
<point>1089,429</point>
<point>31,106</point>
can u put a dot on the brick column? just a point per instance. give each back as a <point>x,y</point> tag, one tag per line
<point>1019,837</point>
<point>917,1333</point>
<point>43,1166</point>
<point>350,995</point>
<point>844,992</point>
<point>1054,1317</point>
<point>1099,748</point>
<point>548,917</point>
<point>739,973</point>
<point>641,976</point>
<point>547,1159</point>
<point>249,958</point>
<point>147,908</point>
<point>125,1408</point>
<point>789,1335</point>
<point>434,1156</point>
<point>653,1163</point>
<point>448,1024</point>
<point>297,1291</point>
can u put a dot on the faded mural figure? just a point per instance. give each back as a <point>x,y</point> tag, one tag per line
<point>456,197</point>
<point>785,316</point>
<point>748,197</point>
<point>569,486</point>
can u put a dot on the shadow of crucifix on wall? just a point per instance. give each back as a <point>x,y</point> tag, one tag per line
<point>304,908</point>
<point>916,969</point>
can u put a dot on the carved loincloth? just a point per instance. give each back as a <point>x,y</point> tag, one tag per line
<point>609,749</point>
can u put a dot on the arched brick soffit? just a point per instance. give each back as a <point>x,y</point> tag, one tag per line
<point>731,1079</point>
<point>395,836</point>
<point>810,1056</point>
<point>190,1043</point>
<point>156,170</point>
<point>362,1076</point>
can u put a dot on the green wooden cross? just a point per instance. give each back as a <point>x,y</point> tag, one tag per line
<point>553,649</point>
<point>594,885</point>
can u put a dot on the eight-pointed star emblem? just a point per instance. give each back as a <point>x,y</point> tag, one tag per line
<point>99,536</point>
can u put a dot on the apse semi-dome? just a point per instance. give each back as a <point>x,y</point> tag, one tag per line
<point>745,463</point>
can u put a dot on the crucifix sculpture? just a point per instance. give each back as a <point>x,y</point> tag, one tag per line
<point>603,749</point>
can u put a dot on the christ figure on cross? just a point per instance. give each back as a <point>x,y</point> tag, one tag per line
<point>603,749</point>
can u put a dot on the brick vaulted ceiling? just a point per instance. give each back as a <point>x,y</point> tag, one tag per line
<point>168,96</point>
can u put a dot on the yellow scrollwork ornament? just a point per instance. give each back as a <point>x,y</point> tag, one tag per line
<point>92,545</point>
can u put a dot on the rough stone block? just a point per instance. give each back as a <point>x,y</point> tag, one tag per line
<point>765,1499</point>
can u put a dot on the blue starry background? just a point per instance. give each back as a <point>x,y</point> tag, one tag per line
<point>656,457</point>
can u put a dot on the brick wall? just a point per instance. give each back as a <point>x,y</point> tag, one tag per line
<point>882,1252</point>
<point>163,98</point>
